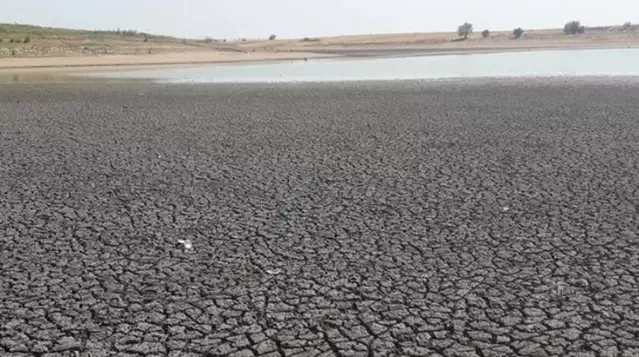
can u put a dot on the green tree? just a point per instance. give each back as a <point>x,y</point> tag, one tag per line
<point>272,37</point>
<point>518,32</point>
<point>464,30</point>
<point>485,33</point>
<point>574,27</point>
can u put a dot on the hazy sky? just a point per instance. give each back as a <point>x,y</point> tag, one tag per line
<point>298,18</point>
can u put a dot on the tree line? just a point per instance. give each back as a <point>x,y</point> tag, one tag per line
<point>570,28</point>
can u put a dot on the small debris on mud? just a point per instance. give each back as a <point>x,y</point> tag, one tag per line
<point>186,243</point>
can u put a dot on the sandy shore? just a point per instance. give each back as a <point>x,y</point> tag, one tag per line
<point>468,218</point>
<point>117,61</point>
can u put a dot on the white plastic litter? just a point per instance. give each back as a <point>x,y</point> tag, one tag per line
<point>186,243</point>
<point>273,271</point>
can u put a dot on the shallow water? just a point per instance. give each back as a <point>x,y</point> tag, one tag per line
<point>610,62</point>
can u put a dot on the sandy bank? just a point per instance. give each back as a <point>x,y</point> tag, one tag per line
<point>75,63</point>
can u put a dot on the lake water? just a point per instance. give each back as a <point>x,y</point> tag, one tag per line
<point>610,62</point>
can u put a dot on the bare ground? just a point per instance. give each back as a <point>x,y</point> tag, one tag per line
<point>482,218</point>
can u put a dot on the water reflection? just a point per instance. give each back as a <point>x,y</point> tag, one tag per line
<point>609,62</point>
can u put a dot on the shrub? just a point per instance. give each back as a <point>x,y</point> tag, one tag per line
<point>208,40</point>
<point>485,33</point>
<point>464,30</point>
<point>518,32</point>
<point>310,39</point>
<point>272,37</point>
<point>12,41</point>
<point>26,39</point>
<point>626,26</point>
<point>129,33</point>
<point>574,27</point>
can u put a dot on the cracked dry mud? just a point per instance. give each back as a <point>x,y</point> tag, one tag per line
<point>451,219</point>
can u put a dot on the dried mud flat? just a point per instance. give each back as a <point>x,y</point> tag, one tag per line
<point>482,218</point>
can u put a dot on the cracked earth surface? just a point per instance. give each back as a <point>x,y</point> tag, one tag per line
<point>453,219</point>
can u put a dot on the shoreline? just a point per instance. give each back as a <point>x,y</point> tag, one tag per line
<point>32,65</point>
<point>418,52</point>
<point>118,62</point>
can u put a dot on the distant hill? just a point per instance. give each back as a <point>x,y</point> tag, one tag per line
<point>36,41</point>
<point>20,30</point>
